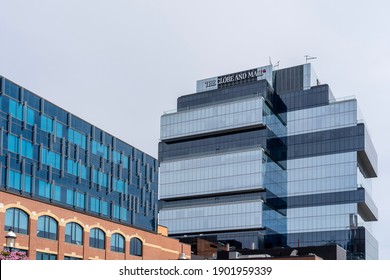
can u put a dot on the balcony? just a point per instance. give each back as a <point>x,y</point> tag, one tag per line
<point>366,206</point>
<point>367,157</point>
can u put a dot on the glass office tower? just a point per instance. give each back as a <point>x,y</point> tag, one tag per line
<point>331,160</point>
<point>222,157</point>
<point>48,154</point>
<point>262,159</point>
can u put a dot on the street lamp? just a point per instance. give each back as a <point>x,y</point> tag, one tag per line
<point>182,255</point>
<point>10,239</point>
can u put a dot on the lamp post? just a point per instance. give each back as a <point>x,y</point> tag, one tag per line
<point>182,255</point>
<point>10,239</point>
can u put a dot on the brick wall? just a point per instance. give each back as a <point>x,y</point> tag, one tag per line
<point>154,246</point>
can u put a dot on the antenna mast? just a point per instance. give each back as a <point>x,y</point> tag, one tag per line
<point>308,57</point>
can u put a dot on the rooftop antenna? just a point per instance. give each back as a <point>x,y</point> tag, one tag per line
<point>308,57</point>
<point>274,66</point>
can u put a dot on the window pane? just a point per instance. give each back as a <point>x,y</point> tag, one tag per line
<point>135,247</point>
<point>27,149</point>
<point>27,183</point>
<point>117,243</point>
<point>30,116</point>
<point>16,109</point>
<point>17,220</point>
<point>13,143</point>
<point>47,227</point>
<point>59,130</point>
<point>74,233</point>
<point>97,238</point>
<point>45,256</point>
<point>69,197</point>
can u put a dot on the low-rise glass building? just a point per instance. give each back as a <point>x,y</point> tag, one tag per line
<point>50,156</point>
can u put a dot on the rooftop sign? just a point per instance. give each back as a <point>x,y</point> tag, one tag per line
<point>243,76</point>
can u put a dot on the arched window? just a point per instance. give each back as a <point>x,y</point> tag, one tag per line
<point>97,238</point>
<point>117,243</point>
<point>74,233</point>
<point>16,219</point>
<point>135,247</point>
<point>47,227</point>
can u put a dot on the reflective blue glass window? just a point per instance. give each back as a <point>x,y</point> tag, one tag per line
<point>59,128</point>
<point>94,204</point>
<point>46,124</point>
<point>104,181</point>
<point>117,212</point>
<point>136,247</point>
<point>95,177</point>
<point>70,197</point>
<point>47,227</point>
<point>119,185</point>
<point>77,138</point>
<point>57,193</point>
<point>72,167</point>
<point>27,149</point>
<point>96,238</point>
<point>30,116</point>
<point>99,149</point>
<point>126,162</point>
<point>51,158</point>
<point>16,109</point>
<point>83,172</point>
<point>71,135</point>
<point>105,208</point>
<point>45,256</point>
<point>15,180</point>
<point>13,143</point>
<point>100,178</point>
<point>27,183</point>
<point>117,243</point>
<point>123,213</point>
<point>75,199</point>
<point>116,157</point>
<point>44,189</point>
<point>16,219</point>
<point>74,233</point>
<point>80,202</point>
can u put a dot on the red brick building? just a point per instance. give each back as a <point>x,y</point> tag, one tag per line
<point>153,246</point>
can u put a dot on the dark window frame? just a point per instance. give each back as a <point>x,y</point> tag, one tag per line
<point>136,247</point>
<point>46,233</point>
<point>97,238</point>
<point>17,214</point>
<point>115,241</point>
<point>73,233</point>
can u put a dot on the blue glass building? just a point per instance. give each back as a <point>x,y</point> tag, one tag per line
<point>48,154</point>
<point>222,157</point>
<point>331,160</point>
<point>268,158</point>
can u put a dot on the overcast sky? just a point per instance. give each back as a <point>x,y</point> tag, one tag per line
<point>120,64</point>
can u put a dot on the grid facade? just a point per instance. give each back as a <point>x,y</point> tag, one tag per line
<point>50,155</point>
